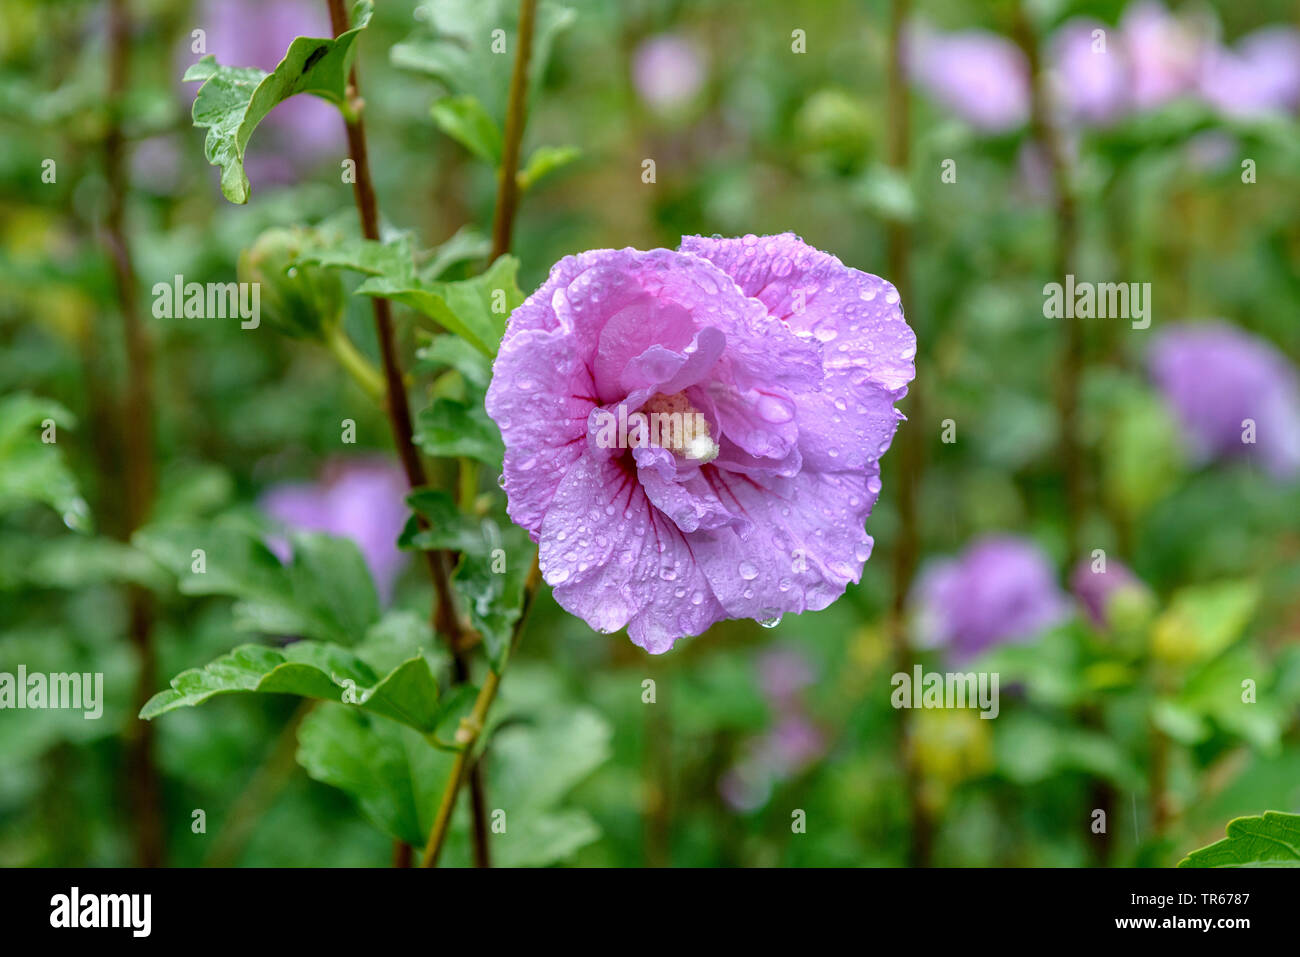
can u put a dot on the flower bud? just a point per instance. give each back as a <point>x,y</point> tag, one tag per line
<point>297,300</point>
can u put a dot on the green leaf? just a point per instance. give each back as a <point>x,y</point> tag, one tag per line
<point>475,309</point>
<point>495,559</point>
<point>544,160</point>
<point>408,694</point>
<point>448,527</point>
<point>73,561</point>
<point>454,45</point>
<point>389,770</point>
<point>449,351</point>
<point>546,745</point>
<point>465,244</point>
<point>464,120</point>
<point>1141,458</point>
<point>325,592</point>
<point>233,100</point>
<point>1272,840</point>
<point>452,429</point>
<point>33,471</point>
<point>391,257</point>
<point>1215,691</point>
<point>1203,620</point>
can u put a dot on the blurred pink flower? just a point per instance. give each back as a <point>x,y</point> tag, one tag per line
<point>980,76</point>
<point>1261,74</point>
<point>1090,76</point>
<point>1225,384</point>
<point>1002,588</point>
<point>1166,52</point>
<point>667,71</point>
<point>360,499</point>
<point>1094,589</point>
<point>784,673</point>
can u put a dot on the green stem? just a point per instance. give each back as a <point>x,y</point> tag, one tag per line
<point>363,371</point>
<point>898,239</point>
<point>471,727</point>
<point>516,116</point>
<point>446,620</point>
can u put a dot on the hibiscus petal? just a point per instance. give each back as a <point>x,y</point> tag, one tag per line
<point>613,559</point>
<point>868,350</point>
<point>805,542</point>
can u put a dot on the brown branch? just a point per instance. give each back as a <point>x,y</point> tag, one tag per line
<point>898,237</point>
<point>1049,139</point>
<point>1045,130</point>
<point>137,438</point>
<point>446,620</point>
<point>503,219</point>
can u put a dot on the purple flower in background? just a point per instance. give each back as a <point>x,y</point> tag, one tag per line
<point>1260,75</point>
<point>360,499</point>
<point>980,76</point>
<point>791,745</point>
<point>257,33</point>
<point>1219,380</point>
<point>1000,589</point>
<point>782,365</point>
<point>667,71</point>
<point>1166,53</point>
<point>783,673</point>
<point>1095,588</point>
<point>1090,83</point>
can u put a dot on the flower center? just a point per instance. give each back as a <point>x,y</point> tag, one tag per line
<point>673,423</point>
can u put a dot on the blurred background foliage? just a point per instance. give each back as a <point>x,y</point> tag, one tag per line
<point>1139,708</point>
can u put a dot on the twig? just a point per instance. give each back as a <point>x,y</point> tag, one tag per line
<point>1102,793</point>
<point>1066,213</point>
<point>907,548</point>
<point>137,436</point>
<point>446,620</point>
<point>471,728</point>
<point>503,219</point>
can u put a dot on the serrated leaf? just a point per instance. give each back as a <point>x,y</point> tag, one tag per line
<point>544,160</point>
<point>542,753</point>
<point>451,429</point>
<point>407,694</point>
<point>391,257</point>
<point>448,528</point>
<point>233,100</point>
<point>450,351</point>
<point>1270,840</point>
<point>495,559</point>
<point>325,592</point>
<point>465,244</point>
<point>464,120</point>
<point>475,309</point>
<point>389,770</point>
